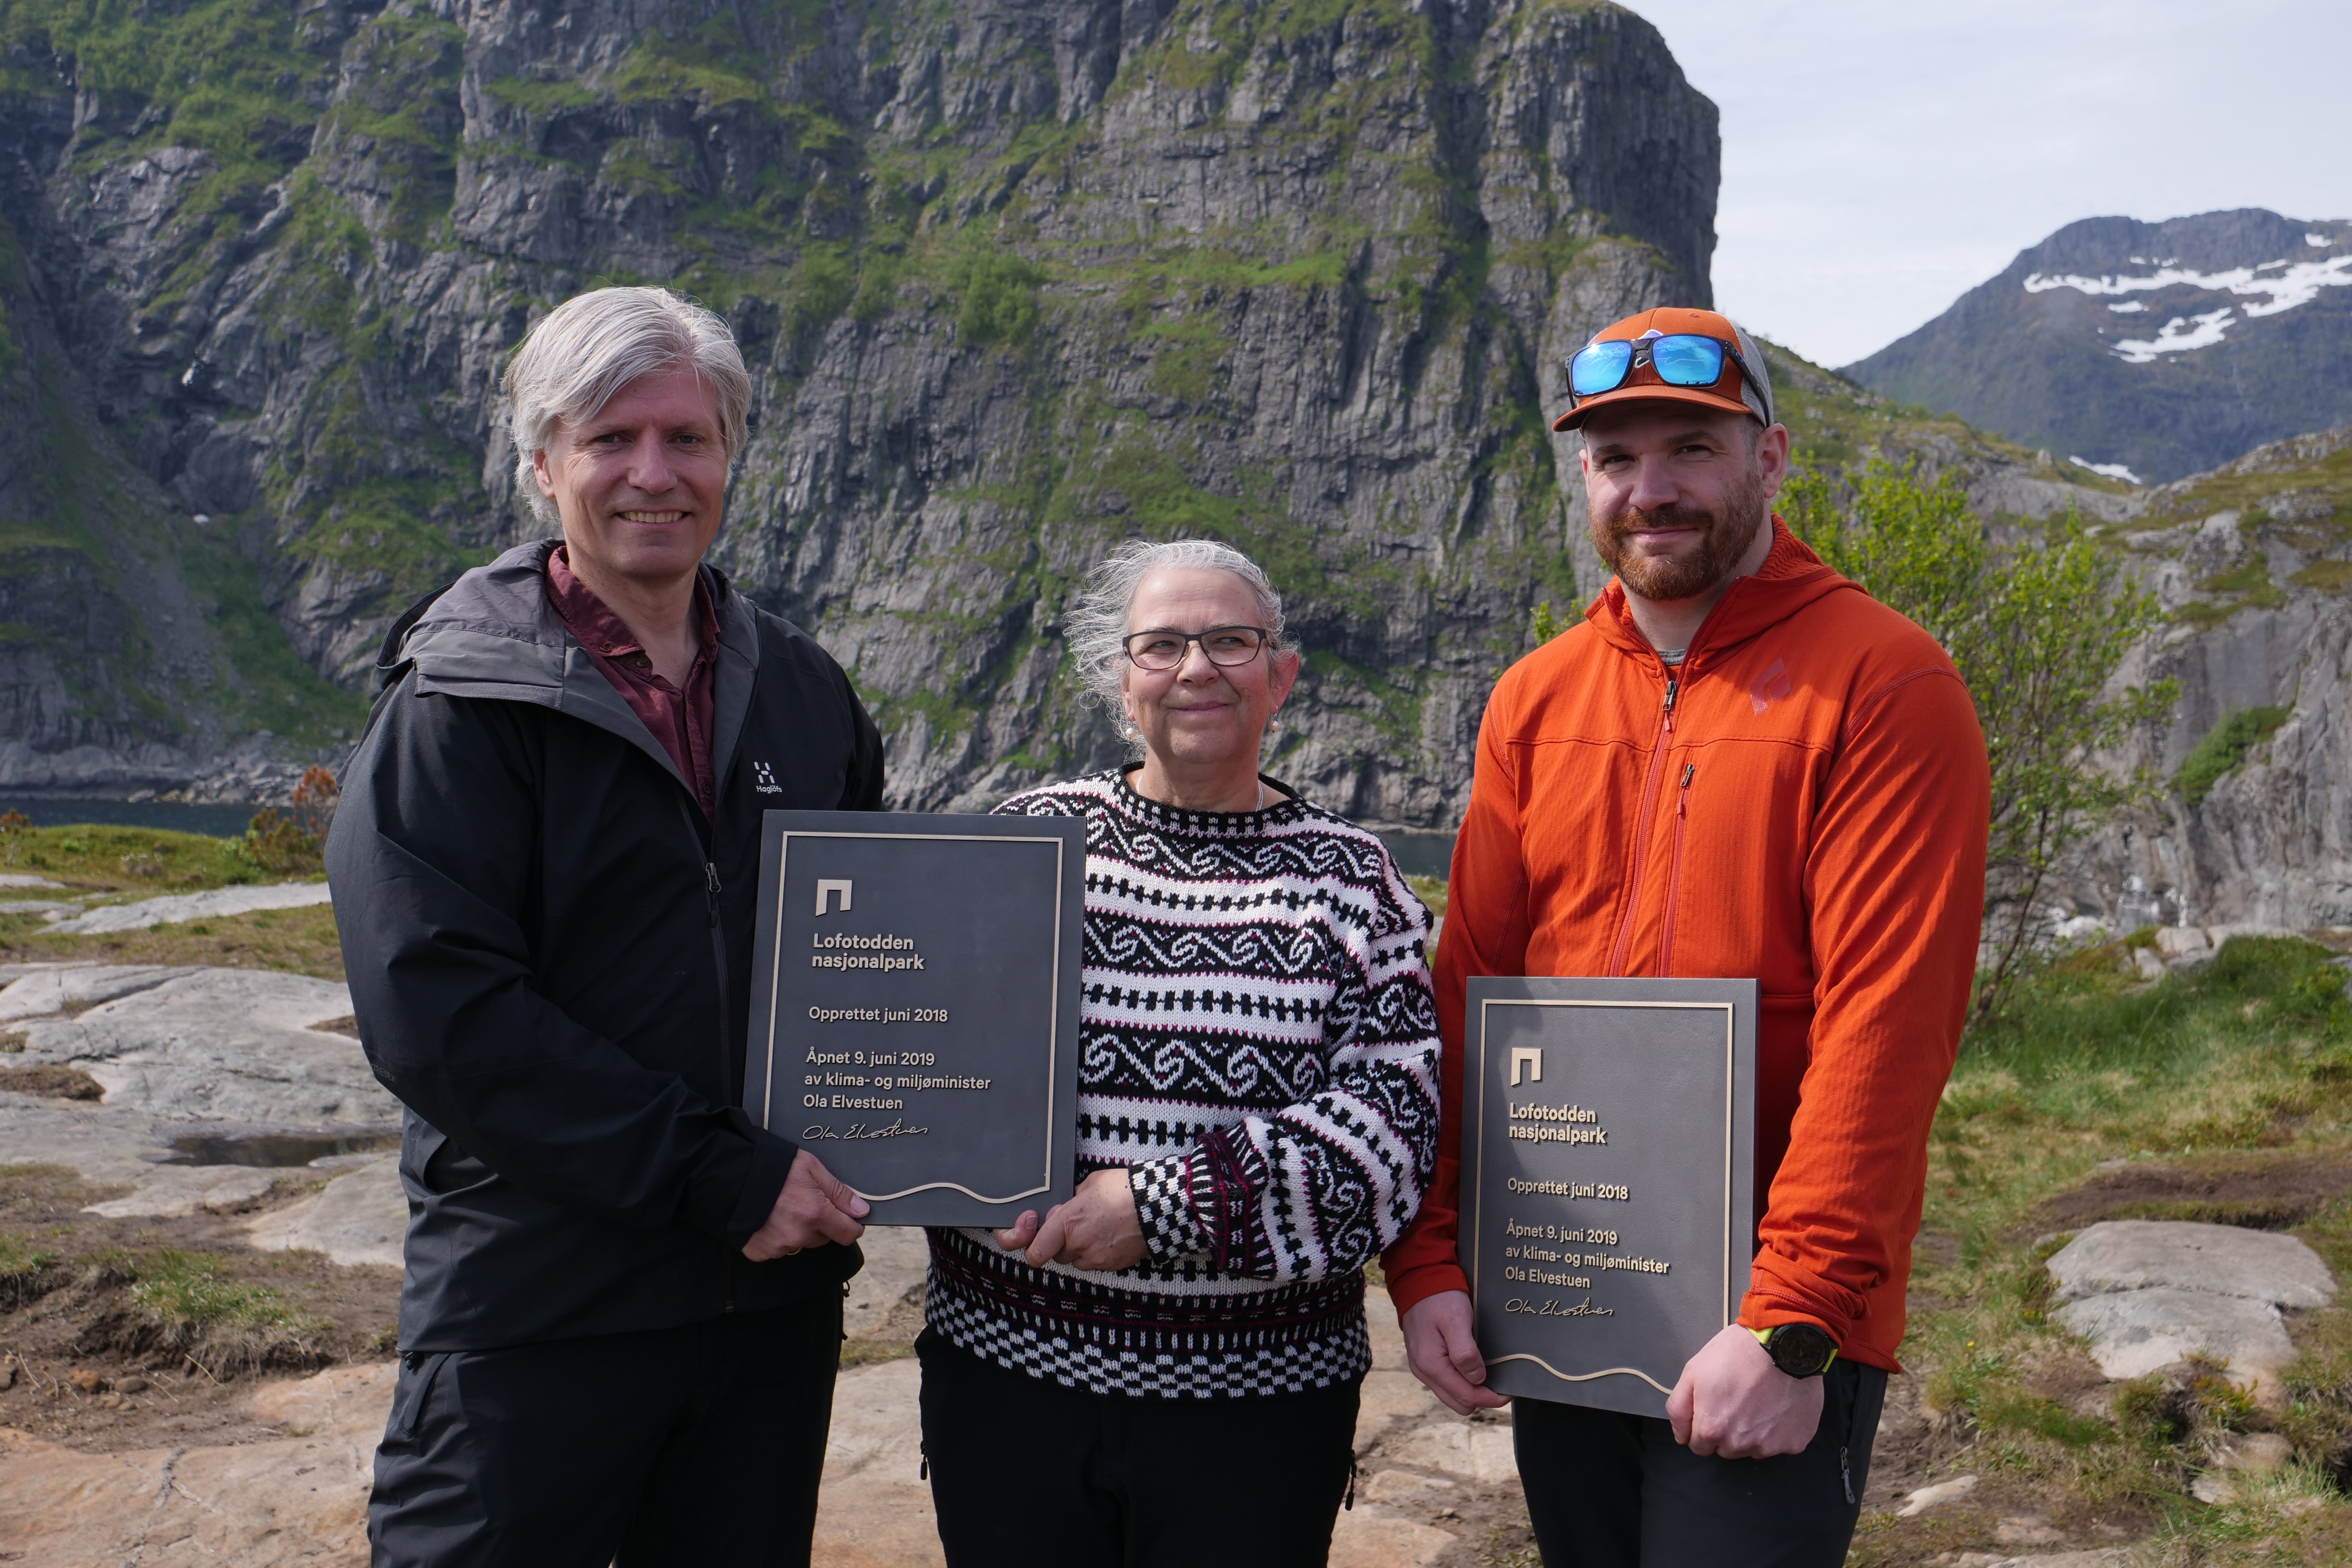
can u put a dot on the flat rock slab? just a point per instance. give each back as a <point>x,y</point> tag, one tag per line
<point>302,1499</point>
<point>52,988</point>
<point>177,907</point>
<point>874,1508</point>
<point>232,1045</point>
<point>101,1143</point>
<point>2125,1254</point>
<point>296,1499</point>
<point>361,1216</point>
<point>896,1259</point>
<point>2134,1332</point>
<point>170,1191</point>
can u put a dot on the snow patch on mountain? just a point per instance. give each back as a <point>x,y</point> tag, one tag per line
<point>2179,335</point>
<point>2280,285</point>
<point>2111,470</point>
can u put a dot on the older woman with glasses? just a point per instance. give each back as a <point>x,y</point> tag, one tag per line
<point>1165,1369</point>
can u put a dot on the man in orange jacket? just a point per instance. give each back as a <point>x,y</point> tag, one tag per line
<point>1739,765</point>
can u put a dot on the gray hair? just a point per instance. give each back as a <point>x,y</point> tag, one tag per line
<point>593,344</point>
<point>1095,626</point>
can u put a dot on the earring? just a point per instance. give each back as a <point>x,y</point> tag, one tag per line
<point>1273,721</point>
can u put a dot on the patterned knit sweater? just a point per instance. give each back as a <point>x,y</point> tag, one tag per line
<point>1259,1050</point>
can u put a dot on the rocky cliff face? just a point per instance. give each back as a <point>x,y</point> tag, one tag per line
<point>1016,280</point>
<point>2154,348</point>
<point>2254,563</point>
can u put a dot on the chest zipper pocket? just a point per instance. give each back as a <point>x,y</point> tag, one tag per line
<point>1674,870</point>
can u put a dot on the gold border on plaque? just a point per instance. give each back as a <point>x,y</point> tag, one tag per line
<point>1478,1188</point>
<point>1052,999</point>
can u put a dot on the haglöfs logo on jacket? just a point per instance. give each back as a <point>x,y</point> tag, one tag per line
<point>763,780</point>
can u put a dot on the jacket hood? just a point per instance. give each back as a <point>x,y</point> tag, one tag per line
<point>494,634</point>
<point>1792,578</point>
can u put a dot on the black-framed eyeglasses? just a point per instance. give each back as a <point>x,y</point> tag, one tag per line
<point>1165,648</point>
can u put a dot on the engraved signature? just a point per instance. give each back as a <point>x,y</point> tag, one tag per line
<point>1551,1309</point>
<point>859,1131</point>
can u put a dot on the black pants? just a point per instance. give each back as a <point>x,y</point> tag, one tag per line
<point>1028,1474</point>
<point>696,1445</point>
<point>1607,1491</point>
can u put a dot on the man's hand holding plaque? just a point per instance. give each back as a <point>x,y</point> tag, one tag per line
<point>813,1208</point>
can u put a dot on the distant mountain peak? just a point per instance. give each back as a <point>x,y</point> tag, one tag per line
<point>2151,350</point>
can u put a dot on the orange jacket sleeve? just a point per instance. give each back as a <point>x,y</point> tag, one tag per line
<point>1895,881</point>
<point>1486,932</point>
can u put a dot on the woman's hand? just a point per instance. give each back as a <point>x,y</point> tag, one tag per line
<point>1441,1346</point>
<point>1096,1230</point>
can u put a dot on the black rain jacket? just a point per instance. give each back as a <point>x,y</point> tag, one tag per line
<point>549,957</point>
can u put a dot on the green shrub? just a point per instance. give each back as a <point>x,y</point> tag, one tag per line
<point>2037,627</point>
<point>2223,748</point>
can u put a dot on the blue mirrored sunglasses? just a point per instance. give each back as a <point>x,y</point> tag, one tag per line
<point>1680,359</point>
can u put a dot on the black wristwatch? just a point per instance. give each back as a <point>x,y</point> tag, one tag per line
<point>1800,1350</point>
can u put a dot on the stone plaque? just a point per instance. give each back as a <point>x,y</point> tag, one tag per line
<point>915,1006</point>
<point>1608,1167</point>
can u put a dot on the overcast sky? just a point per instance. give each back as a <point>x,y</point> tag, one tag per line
<point>1882,157</point>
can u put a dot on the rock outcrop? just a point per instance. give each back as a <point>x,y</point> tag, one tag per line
<point>2146,1293</point>
<point>1016,280</point>
<point>2253,565</point>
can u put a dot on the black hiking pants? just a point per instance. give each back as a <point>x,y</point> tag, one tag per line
<point>1606,1490</point>
<point>696,1445</point>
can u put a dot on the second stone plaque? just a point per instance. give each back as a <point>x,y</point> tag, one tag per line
<point>1608,1171</point>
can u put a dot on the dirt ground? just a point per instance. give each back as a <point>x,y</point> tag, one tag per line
<point>2263,1189</point>
<point>88,1363</point>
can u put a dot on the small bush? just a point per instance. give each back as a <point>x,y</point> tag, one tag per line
<point>2222,749</point>
<point>292,842</point>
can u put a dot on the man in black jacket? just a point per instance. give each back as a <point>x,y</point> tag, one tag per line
<point>622,1307</point>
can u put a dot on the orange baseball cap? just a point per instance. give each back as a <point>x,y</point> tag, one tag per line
<point>1743,386</point>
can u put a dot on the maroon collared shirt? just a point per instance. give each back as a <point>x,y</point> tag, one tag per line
<point>680,719</point>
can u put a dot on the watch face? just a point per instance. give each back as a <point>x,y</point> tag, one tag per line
<point>1800,1350</point>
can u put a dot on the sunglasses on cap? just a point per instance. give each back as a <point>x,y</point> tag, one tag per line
<point>1678,359</point>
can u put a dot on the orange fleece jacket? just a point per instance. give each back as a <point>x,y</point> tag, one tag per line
<point>1803,802</point>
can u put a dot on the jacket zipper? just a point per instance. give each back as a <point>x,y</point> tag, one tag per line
<point>1642,826</point>
<point>726,1072</point>
<point>719,955</point>
<point>1675,871</point>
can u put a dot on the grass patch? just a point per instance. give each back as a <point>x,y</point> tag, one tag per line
<point>25,1269</point>
<point>2222,749</point>
<point>298,941</point>
<point>2253,1053</point>
<point>142,861</point>
<point>2327,576</point>
<point>192,1303</point>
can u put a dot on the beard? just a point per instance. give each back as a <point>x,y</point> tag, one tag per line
<point>1724,537</point>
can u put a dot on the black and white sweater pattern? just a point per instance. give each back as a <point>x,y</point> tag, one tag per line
<point>1259,1051</point>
